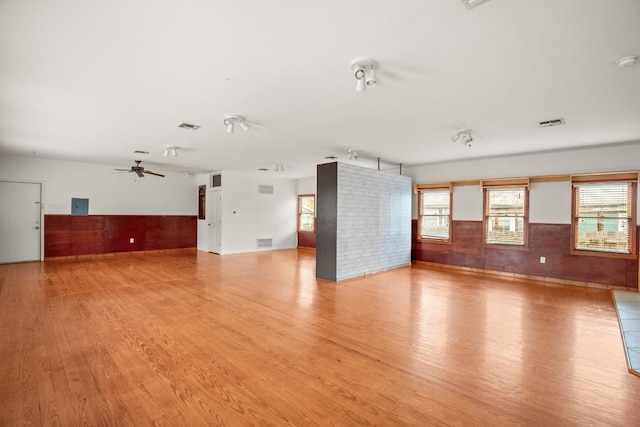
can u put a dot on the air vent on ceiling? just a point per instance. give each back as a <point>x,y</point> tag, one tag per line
<point>549,123</point>
<point>188,126</point>
<point>265,189</point>
<point>264,243</point>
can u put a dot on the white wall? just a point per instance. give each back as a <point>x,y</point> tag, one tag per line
<point>618,157</point>
<point>549,202</point>
<point>307,185</point>
<point>248,215</point>
<point>108,193</point>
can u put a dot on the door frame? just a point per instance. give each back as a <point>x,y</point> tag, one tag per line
<point>41,183</point>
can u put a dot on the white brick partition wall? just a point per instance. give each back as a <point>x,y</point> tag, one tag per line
<point>373,230</point>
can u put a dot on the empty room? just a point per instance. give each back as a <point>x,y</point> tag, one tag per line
<point>319,213</point>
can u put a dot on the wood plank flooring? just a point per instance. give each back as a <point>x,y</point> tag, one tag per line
<point>190,338</point>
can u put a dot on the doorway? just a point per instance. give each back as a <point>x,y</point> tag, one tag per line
<point>215,220</point>
<point>20,221</point>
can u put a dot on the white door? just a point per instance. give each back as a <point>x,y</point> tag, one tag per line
<point>215,220</point>
<point>20,221</point>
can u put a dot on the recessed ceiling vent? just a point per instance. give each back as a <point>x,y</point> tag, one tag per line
<point>188,126</point>
<point>549,123</point>
<point>265,189</point>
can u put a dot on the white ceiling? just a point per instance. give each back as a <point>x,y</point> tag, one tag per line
<point>94,81</point>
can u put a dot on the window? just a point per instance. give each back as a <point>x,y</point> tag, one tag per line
<point>306,212</point>
<point>202,190</point>
<point>434,212</point>
<point>604,217</point>
<point>506,212</point>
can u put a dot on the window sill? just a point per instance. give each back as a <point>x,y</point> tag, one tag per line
<point>435,241</point>
<point>602,254</point>
<point>505,246</point>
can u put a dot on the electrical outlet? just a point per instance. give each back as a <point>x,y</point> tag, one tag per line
<point>132,240</point>
<point>543,259</point>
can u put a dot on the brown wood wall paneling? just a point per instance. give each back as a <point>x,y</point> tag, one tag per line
<point>553,241</point>
<point>66,235</point>
<point>307,239</point>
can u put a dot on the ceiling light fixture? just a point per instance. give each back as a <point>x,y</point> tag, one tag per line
<point>231,121</point>
<point>171,150</point>
<point>364,70</point>
<point>463,136</point>
<point>470,4</point>
<point>353,154</point>
<point>279,167</point>
<point>627,61</point>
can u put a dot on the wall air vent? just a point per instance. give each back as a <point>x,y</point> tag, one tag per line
<point>265,189</point>
<point>264,243</point>
<point>549,123</point>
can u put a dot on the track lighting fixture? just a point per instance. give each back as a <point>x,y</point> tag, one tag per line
<point>279,167</point>
<point>364,70</point>
<point>463,136</point>
<point>231,121</point>
<point>171,150</point>
<point>353,154</point>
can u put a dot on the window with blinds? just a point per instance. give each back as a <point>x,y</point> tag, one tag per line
<point>506,215</point>
<point>434,213</point>
<point>604,216</point>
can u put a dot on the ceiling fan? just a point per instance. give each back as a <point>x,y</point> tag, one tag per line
<point>139,170</point>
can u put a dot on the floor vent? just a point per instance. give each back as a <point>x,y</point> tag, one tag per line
<point>264,243</point>
<point>265,189</point>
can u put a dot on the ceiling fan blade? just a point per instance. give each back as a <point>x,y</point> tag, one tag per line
<point>123,170</point>
<point>153,173</point>
<point>140,174</point>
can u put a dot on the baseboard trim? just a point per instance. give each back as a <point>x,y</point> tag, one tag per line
<point>116,254</point>
<point>518,276</point>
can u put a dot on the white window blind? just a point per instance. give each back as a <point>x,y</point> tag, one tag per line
<point>505,219</point>
<point>435,213</point>
<point>603,217</point>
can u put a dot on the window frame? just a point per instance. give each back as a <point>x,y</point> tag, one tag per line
<point>599,179</point>
<point>498,184</point>
<point>300,197</point>
<point>420,189</point>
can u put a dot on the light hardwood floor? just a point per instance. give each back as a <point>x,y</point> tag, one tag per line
<point>187,338</point>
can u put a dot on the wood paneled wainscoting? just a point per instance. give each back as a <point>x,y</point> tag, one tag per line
<point>66,235</point>
<point>552,241</point>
